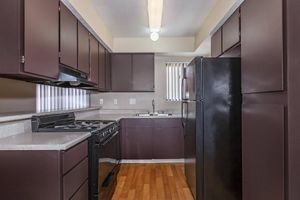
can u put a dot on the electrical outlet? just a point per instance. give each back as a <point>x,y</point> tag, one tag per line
<point>101,101</point>
<point>132,101</point>
<point>115,101</point>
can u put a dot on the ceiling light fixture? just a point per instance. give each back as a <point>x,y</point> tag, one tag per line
<point>154,36</point>
<point>155,11</point>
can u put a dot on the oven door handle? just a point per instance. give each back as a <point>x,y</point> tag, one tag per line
<point>108,140</point>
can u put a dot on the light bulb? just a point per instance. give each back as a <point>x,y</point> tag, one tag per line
<point>154,36</point>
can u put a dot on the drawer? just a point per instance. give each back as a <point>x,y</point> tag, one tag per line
<point>74,179</point>
<point>74,155</point>
<point>167,123</point>
<point>82,193</point>
<point>138,123</point>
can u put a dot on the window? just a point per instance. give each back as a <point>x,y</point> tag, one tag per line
<point>50,98</point>
<point>174,80</point>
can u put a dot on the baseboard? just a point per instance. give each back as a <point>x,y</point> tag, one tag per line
<point>152,161</point>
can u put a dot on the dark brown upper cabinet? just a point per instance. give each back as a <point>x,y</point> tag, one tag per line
<point>94,53</point>
<point>83,49</point>
<point>231,31</point>
<point>68,37</point>
<point>143,72</point>
<point>132,72</point>
<point>102,63</point>
<point>216,44</point>
<point>121,68</point>
<point>29,39</point>
<point>107,71</point>
<point>262,46</point>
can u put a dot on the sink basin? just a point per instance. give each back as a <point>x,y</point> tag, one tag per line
<point>153,114</point>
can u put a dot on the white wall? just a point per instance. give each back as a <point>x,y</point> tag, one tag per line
<point>144,100</point>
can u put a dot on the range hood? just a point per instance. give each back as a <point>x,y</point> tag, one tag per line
<point>71,78</point>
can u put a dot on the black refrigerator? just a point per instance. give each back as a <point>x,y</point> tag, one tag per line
<point>211,117</point>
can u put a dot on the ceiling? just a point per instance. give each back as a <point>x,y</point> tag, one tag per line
<point>129,18</point>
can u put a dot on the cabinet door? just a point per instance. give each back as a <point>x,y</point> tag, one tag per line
<point>107,71</point>
<point>83,49</point>
<point>143,72</point>
<point>121,66</point>
<point>101,67</point>
<point>137,139</point>
<point>262,46</point>
<point>216,44</point>
<point>41,39</point>
<point>94,51</point>
<point>68,37</point>
<point>168,139</point>
<point>263,152</point>
<point>231,31</point>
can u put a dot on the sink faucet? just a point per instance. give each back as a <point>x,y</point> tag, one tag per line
<point>153,105</point>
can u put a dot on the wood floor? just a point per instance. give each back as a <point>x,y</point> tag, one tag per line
<point>152,182</point>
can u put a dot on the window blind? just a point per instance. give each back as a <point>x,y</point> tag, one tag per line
<point>51,98</point>
<point>174,73</point>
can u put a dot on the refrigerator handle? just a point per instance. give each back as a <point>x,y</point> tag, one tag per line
<point>183,118</point>
<point>183,89</point>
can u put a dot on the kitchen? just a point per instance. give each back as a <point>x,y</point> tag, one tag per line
<point>153,99</point>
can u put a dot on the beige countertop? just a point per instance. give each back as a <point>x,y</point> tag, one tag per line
<point>59,140</point>
<point>43,141</point>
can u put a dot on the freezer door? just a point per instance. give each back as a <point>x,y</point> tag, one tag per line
<point>221,79</point>
<point>190,147</point>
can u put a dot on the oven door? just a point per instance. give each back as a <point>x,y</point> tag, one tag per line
<point>108,161</point>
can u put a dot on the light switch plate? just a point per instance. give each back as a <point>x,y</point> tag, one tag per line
<point>132,101</point>
<point>101,101</point>
<point>115,101</point>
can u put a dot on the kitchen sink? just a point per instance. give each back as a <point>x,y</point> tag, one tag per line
<point>153,114</point>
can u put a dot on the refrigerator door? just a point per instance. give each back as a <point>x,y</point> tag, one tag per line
<point>222,129</point>
<point>222,151</point>
<point>190,146</point>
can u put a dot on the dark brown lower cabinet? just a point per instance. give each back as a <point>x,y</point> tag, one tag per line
<point>47,175</point>
<point>168,139</point>
<point>263,151</point>
<point>136,139</point>
<point>293,62</point>
<point>152,139</point>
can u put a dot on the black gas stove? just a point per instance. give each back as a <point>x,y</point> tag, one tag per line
<point>104,148</point>
<point>66,123</point>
